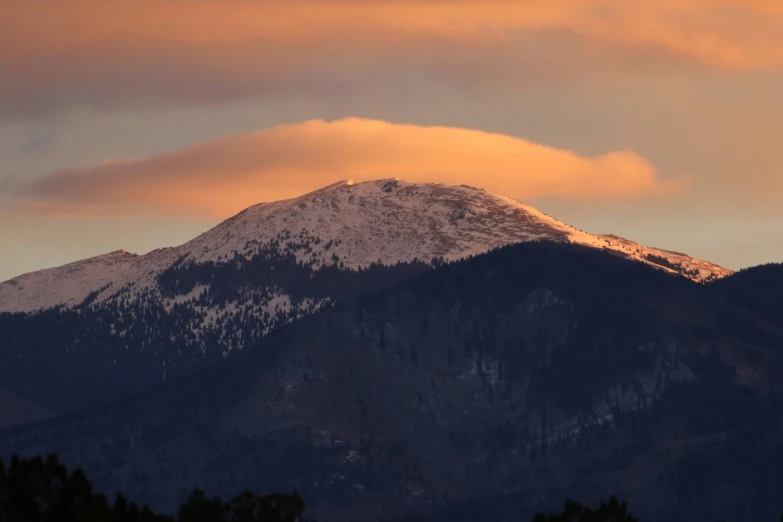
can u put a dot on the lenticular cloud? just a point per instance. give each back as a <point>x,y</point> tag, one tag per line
<point>222,177</point>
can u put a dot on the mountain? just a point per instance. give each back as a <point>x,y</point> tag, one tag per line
<point>496,385</point>
<point>107,327</point>
<point>355,225</point>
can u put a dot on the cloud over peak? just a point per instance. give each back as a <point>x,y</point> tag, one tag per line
<point>222,177</point>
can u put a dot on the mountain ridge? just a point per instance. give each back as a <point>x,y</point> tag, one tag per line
<point>129,322</point>
<point>386,221</point>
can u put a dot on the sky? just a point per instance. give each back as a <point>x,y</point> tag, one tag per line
<point>137,124</point>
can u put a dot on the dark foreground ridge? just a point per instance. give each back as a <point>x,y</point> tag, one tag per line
<point>489,389</point>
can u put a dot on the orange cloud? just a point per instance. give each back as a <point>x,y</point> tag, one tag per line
<point>222,177</point>
<point>131,52</point>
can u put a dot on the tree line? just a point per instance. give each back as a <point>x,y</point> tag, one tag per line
<point>43,490</point>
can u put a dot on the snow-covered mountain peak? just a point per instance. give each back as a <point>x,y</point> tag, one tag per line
<point>353,224</point>
<point>383,221</point>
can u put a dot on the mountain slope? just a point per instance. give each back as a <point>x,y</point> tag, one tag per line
<point>385,221</point>
<point>526,375</point>
<point>125,323</point>
<point>759,288</point>
<point>15,410</point>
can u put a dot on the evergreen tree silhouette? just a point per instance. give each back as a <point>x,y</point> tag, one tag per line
<point>38,490</point>
<point>612,511</point>
<point>198,508</point>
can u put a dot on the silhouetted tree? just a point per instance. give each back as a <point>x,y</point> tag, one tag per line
<point>198,508</point>
<point>38,490</point>
<point>612,511</point>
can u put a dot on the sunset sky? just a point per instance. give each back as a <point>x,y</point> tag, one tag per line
<point>137,124</point>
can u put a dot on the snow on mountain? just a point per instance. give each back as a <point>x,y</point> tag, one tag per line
<point>385,221</point>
